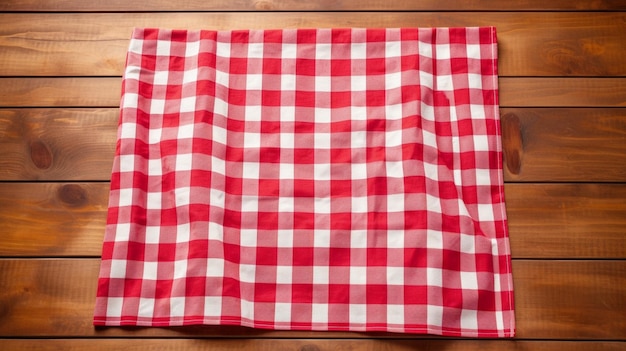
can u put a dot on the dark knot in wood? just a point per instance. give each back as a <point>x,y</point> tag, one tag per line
<point>72,194</point>
<point>40,155</point>
<point>309,347</point>
<point>263,5</point>
<point>512,142</point>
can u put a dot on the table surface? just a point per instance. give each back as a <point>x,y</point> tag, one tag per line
<point>563,106</point>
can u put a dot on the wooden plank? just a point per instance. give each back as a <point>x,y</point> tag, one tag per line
<point>540,144</point>
<point>530,44</point>
<point>514,92</point>
<point>57,143</point>
<point>567,220</point>
<point>563,297</point>
<point>320,5</point>
<point>70,92</point>
<point>302,345</point>
<point>580,300</point>
<point>545,220</point>
<point>556,92</point>
<point>52,219</point>
<point>564,144</point>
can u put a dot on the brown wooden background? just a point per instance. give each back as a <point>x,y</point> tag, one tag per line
<point>563,98</point>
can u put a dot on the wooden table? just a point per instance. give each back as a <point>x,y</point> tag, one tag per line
<point>563,97</point>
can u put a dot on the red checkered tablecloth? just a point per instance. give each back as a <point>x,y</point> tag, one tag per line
<point>310,179</point>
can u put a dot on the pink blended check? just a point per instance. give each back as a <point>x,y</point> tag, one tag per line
<point>309,179</point>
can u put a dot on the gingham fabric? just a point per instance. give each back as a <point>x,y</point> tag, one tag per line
<point>310,179</point>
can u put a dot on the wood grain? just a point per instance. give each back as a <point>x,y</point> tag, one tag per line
<point>580,300</point>
<point>564,144</point>
<point>52,219</point>
<point>530,44</point>
<point>57,143</point>
<point>562,89</point>
<point>557,92</point>
<point>60,92</point>
<point>567,220</point>
<point>562,297</point>
<point>320,5</point>
<point>545,220</point>
<point>552,144</point>
<point>514,92</point>
<point>301,345</point>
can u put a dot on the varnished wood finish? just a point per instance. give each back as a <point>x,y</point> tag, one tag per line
<point>301,345</point>
<point>57,144</point>
<point>545,220</point>
<point>60,92</point>
<point>563,98</point>
<point>514,92</point>
<point>530,44</point>
<point>320,5</point>
<point>581,300</point>
<point>567,220</point>
<point>564,144</point>
<point>562,92</point>
<point>52,219</point>
<point>540,144</point>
